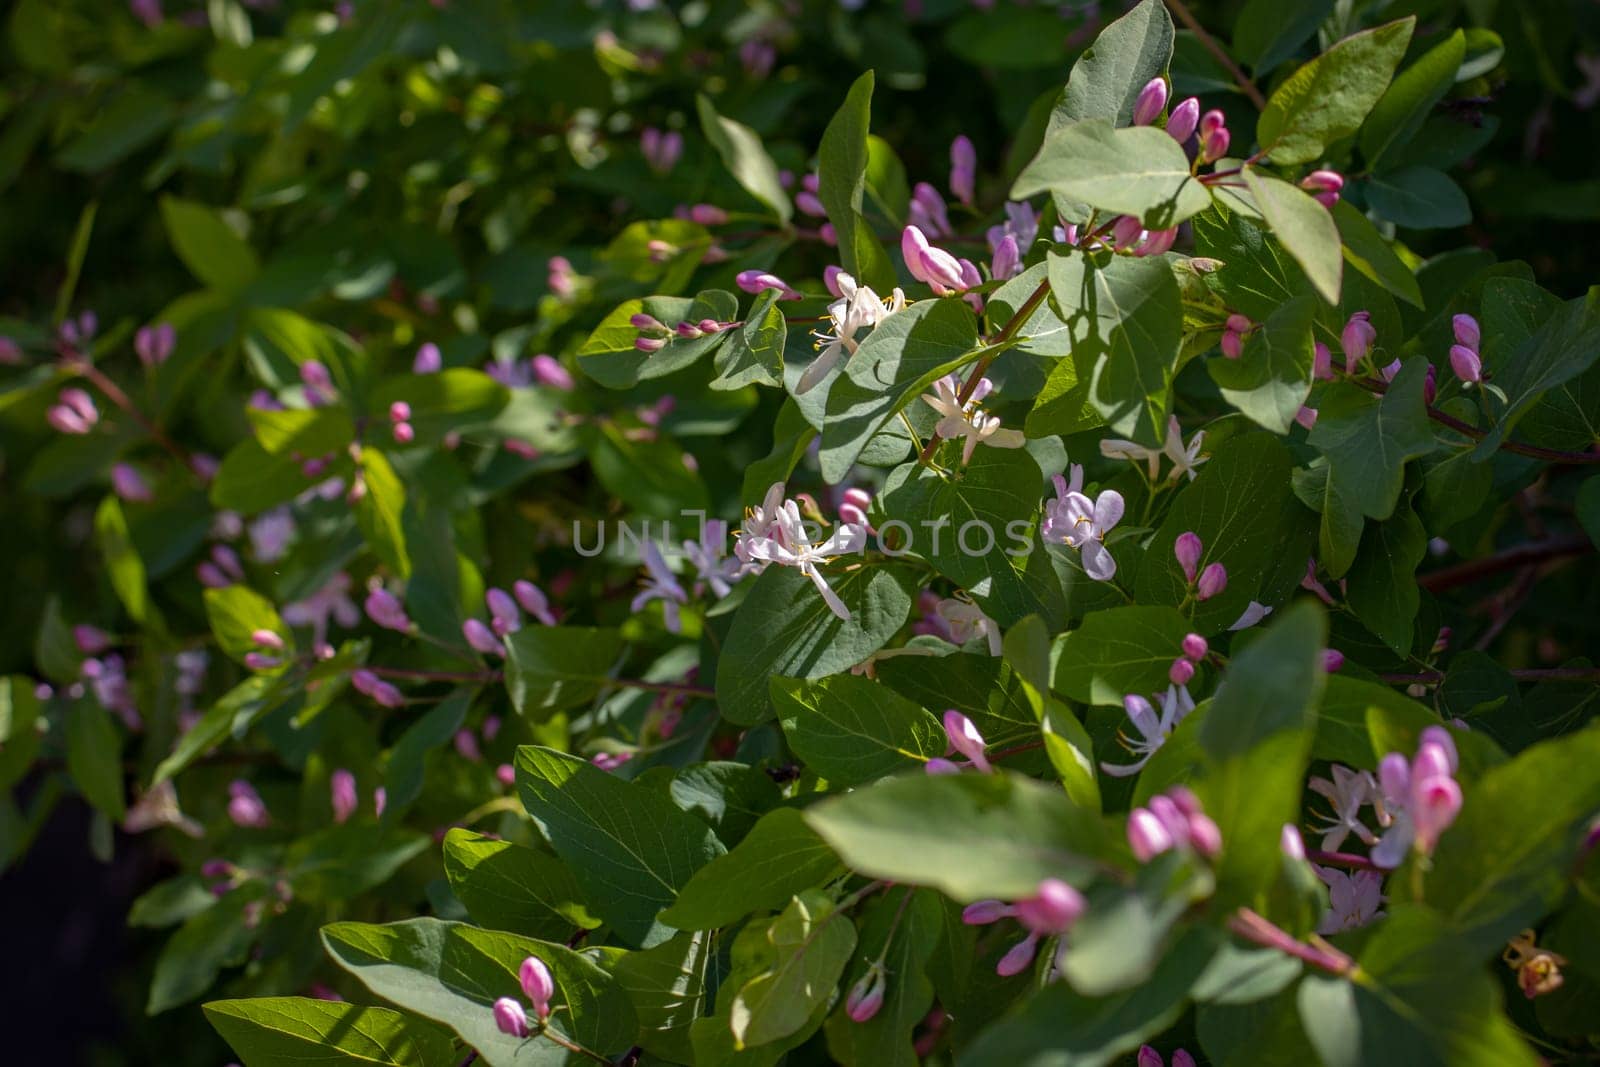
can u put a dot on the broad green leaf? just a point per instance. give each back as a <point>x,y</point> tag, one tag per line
<point>784,628</point>
<point>971,835</point>
<point>233,712</point>
<point>668,987</point>
<point>807,948</point>
<point>549,668</point>
<point>379,510</point>
<point>20,729</point>
<point>1401,110</point>
<point>290,1031</point>
<point>236,612</point>
<point>653,475</point>
<point>406,767</point>
<point>1329,97</point>
<point>171,902</point>
<point>1107,78</point>
<point>192,957</point>
<point>1234,507</point>
<point>898,361</point>
<point>779,858</point>
<point>753,354</point>
<point>252,480</point>
<point>1271,379</point>
<point>505,886</point>
<point>1345,735</point>
<point>1135,170</point>
<point>453,973</point>
<point>1305,227</point>
<point>1126,318</point>
<point>608,356</point>
<point>1367,251</point>
<point>208,246</point>
<point>1120,651</point>
<point>1067,743</point>
<point>1418,198</point>
<point>1421,997</point>
<point>1381,585</point>
<point>851,730</point>
<point>1266,32</point>
<point>123,564</point>
<point>1504,862</point>
<point>842,181</point>
<point>441,403</point>
<point>904,934</point>
<point>306,431</point>
<point>630,848</point>
<point>742,153</point>
<point>342,861</point>
<point>1273,686</point>
<point>982,687</point>
<point>94,756</point>
<point>1565,346</point>
<point>1257,275</point>
<point>729,797</point>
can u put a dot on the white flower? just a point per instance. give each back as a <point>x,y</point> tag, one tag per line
<point>1072,519</point>
<point>858,308</point>
<point>1153,731</point>
<point>967,420</point>
<point>660,584</point>
<point>777,535</point>
<point>1254,612</point>
<point>1134,452</point>
<point>1185,458</point>
<point>1355,899</point>
<point>966,621</point>
<point>1349,791</point>
<point>158,808</point>
<point>331,601</point>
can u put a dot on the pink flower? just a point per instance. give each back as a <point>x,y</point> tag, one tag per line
<point>938,269</point>
<point>866,996</point>
<point>1466,364</point>
<point>965,739</point>
<point>533,601</point>
<point>661,150</point>
<point>1213,580</point>
<point>927,211</point>
<point>963,170</point>
<point>510,1017</point>
<point>1151,102</point>
<point>245,806</point>
<point>537,985</point>
<point>129,484</point>
<point>1181,672</point>
<point>154,344</point>
<point>342,792</point>
<point>385,609</point>
<point>1183,120</point>
<point>1188,549</point>
<point>1466,331</point>
<point>548,371</point>
<point>504,618</point>
<point>1052,909</point>
<point>383,693</point>
<point>758,281</point>
<point>1357,339</point>
<point>481,638</point>
<point>74,412</point>
<point>91,640</point>
<point>1195,647</point>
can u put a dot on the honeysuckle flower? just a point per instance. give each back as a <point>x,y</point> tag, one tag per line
<point>1324,186</point>
<point>91,640</point>
<point>1290,843</point>
<point>807,199</point>
<point>1188,549</point>
<point>1253,613</point>
<point>1421,797</point>
<point>383,693</point>
<point>866,996</point>
<point>1466,364</point>
<point>1152,100</point>
<point>758,281</point>
<point>1357,339</point>
<point>1195,647</point>
<point>1355,898</point>
<point>1076,521</point>
<point>1430,385</point>
<point>1181,672</point>
<point>714,568</point>
<point>964,738</point>
<point>154,344</point>
<point>481,638</point>
<point>966,621</point>
<point>1156,242</point>
<point>939,270</point>
<point>332,601</point>
<point>80,331</point>
<point>73,413</point>
<point>129,484</point>
<point>245,806</point>
<point>385,609</point>
<point>1007,262</point>
<point>661,150</point>
<point>1212,580</point>
<point>1134,452</point>
<point>510,1017</point>
<point>428,360</point>
<point>1022,223</point>
<point>1186,458</point>
<point>610,761</point>
<point>1183,120</point>
<point>660,584</point>
<point>927,211</point>
<point>504,616</point>
<point>853,505</point>
<point>1321,362</point>
<point>1153,730</point>
<point>968,421</point>
<point>857,308</point>
<point>963,170</point>
<point>1349,791</point>
<point>1231,343</point>
<point>342,794</point>
<point>158,807</point>
<point>537,985</point>
<point>1171,820</point>
<point>1052,910</point>
<point>1214,136</point>
<point>774,533</point>
<point>1466,331</point>
<point>1332,660</point>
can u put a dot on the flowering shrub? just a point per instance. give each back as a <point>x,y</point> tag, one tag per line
<point>1002,593</point>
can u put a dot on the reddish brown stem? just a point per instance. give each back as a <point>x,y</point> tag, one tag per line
<point>1529,674</point>
<point>114,393</point>
<point>1342,859</point>
<point>1510,559</point>
<point>1210,44</point>
<point>1466,429</point>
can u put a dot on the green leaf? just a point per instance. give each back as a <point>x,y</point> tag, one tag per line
<point>509,887</point>
<point>379,510</point>
<point>1126,319</point>
<point>342,861</point>
<point>131,120</point>
<point>1266,32</point>
<point>236,612</point>
<point>971,835</point>
<point>1119,651</point>
<point>20,729</point>
<point>1367,251</point>
<point>631,849</point>
<point>781,857</point>
<point>1305,227</point>
<point>1419,198</point>
<point>306,431</point>
<point>252,480</point>
<point>654,476</point>
<point>453,973</point>
<point>1328,98</point>
<point>1565,346</point>
<point>123,564</point>
<point>808,947</point>
<point>290,1031</point>
<point>1134,170</point>
<point>754,352</point>
<point>1272,686</point>
<point>899,360</point>
<point>667,985</point>
<point>441,403</point>
<point>608,356</point>
<point>1234,507</point>
<point>234,711</point>
<point>842,181</point>
<point>207,245</point>
<point>784,628</point>
<point>549,668</point>
<point>94,757</point>
<point>1381,586</point>
<point>1257,275</point>
<point>729,797</point>
<point>850,730</point>
<point>192,958</point>
<point>1400,112</point>
<point>1272,376</point>
<point>1107,78</point>
<point>1503,864</point>
<point>1421,997</point>
<point>742,153</point>
<point>904,935</point>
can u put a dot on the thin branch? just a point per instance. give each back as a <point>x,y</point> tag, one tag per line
<point>1529,674</point>
<point>113,391</point>
<point>1343,859</point>
<point>1466,429</point>
<point>1210,44</point>
<point>1510,559</point>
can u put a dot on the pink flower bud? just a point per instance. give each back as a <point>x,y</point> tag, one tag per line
<point>1357,339</point>
<point>1125,231</point>
<point>1212,121</point>
<point>1306,417</point>
<point>1431,762</point>
<point>1326,199</point>
<point>342,793</point>
<point>537,985</point>
<point>758,281</point>
<point>267,639</point>
<point>963,170</point>
<point>853,508</point>
<point>1291,843</point>
<point>1466,331</point>
<point>507,774</point>
<point>1321,362</point>
<point>548,371</point>
<point>404,433</point>
<point>1204,836</point>
<point>1466,363</point>
<point>533,601</point>
<point>466,744</point>
<point>1394,777</point>
<point>1151,102</point>
<point>315,376</point>
<point>1215,145</point>
<point>648,345</point>
<point>1017,960</point>
<point>245,806</point>
<point>1188,549</point>
<point>510,1018</point>
<point>1430,385</point>
<point>866,996</point>
<point>1149,1057</point>
<point>965,738</point>
<point>259,661</point>
<point>428,359</point>
<point>688,331</point>
<point>504,618</point>
<point>984,912</point>
<point>1157,242</point>
<point>1146,835</point>
<point>385,609</point>
<point>1007,262</point>
<point>1195,647</point>
<point>129,484</point>
<point>399,411</point>
<point>830,279</point>
<point>1181,672</point>
<point>1332,660</point>
<point>708,215</point>
<point>481,638</point>
<point>1183,120</point>
<point>154,344</point>
<point>1440,738</point>
<point>1435,805</point>
<point>1053,908</point>
<point>91,640</point>
<point>940,765</point>
<point>1322,181</point>
<point>1232,344</point>
<point>810,203</point>
<point>1213,580</point>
